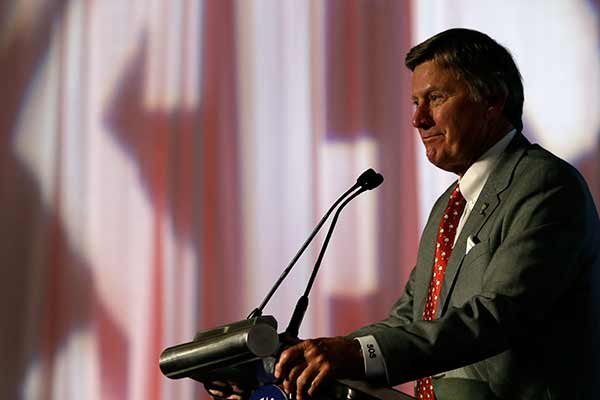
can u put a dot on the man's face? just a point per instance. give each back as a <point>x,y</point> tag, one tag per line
<point>453,127</point>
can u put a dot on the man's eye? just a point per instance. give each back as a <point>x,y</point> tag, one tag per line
<point>436,98</point>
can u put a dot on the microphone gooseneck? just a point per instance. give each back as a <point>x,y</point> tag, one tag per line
<point>368,180</point>
<point>258,311</point>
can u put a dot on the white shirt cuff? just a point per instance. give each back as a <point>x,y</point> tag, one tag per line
<point>374,363</point>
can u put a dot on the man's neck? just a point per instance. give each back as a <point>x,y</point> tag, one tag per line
<point>500,131</point>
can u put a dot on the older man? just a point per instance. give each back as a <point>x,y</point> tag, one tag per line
<point>499,304</point>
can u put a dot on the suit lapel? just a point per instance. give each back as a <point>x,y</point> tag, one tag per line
<point>484,207</point>
<point>487,203</point>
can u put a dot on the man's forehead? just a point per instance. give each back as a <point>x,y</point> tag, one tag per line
<point>430,76</point>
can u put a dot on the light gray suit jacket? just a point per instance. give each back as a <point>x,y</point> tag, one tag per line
<point>514,319</point>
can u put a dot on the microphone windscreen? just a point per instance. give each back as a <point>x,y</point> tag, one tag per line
<point>370,179</point>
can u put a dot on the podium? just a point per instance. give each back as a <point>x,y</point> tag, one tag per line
<point>245,352</point>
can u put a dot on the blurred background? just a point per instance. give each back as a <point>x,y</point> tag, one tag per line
<point>162,161</point>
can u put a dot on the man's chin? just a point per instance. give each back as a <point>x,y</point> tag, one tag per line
<point>434,158</point>
<point>439,162</point>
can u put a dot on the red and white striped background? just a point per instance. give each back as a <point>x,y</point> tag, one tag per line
<point>162,161</point>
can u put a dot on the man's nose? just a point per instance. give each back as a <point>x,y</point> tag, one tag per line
<point>422,117</point>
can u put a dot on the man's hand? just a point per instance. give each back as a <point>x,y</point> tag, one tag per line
<point>304,366</point>
<point>229,391</point>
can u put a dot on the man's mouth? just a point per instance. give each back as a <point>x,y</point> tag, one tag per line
<point>429,138</point>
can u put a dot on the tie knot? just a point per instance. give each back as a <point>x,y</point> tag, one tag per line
<point>457,202</point>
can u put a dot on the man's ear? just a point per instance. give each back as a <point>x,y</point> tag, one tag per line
<point>495,106</point>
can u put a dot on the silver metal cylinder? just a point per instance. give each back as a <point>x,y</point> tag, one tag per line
<point>225,349</point>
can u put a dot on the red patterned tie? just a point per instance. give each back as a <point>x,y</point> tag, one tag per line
<point>445,241</point>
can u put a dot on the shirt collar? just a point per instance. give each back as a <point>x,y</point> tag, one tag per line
<point>471,183</point>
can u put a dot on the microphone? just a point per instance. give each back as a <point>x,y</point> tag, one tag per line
<point>246,348</point>
<point>368,180</point>
<point>227,350</point>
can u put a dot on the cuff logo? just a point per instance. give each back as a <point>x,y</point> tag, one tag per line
<point>372,351</point>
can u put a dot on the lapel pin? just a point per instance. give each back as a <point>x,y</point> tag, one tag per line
<point>483,208</point>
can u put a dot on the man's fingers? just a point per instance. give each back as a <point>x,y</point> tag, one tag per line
<point>296,371</point>
<point>302,368</point>
<point>217,389</point>
<point>287,358</point>
<point>226,390</point>
<point>305,380</point>
<point>237,389</point>
<point>215,393</point>
<point>289,383</point>
<point>316,383</point>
